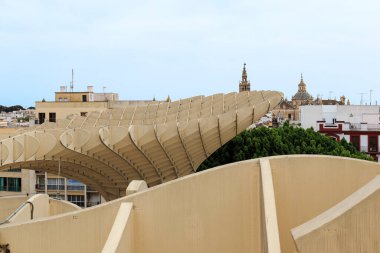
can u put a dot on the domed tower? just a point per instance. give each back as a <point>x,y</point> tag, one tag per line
<point>302,97</point>
<point>244,84</point>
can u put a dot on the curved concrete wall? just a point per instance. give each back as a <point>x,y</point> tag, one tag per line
<point>241,207</point>
<point>350,226</point>
<point>307,185</point>
<point>9,204</point>
<point>61,206</point>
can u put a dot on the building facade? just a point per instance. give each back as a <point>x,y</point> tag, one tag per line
<point>69,102</point>
<point>67,189</point>
<point>358,124</point>
<point>290,109</point>
<point>16,181</point>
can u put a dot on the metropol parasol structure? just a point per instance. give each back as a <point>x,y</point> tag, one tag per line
<point>143,158</point>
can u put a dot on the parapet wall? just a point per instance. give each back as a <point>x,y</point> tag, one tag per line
<point>250,206</point>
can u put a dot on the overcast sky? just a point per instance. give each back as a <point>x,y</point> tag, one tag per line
<point>142,49</point>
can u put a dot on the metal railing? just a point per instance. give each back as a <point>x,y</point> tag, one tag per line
<point>10,188</point>
<point>373,126</point>
<point>7,220</point>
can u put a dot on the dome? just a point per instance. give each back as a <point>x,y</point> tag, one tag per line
<point>302,95</point>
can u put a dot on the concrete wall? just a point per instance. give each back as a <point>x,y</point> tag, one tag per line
<point>309,116</point>
<point>305,187</point>
<point>219,210</point>
<point>28,182</point>
<point>355,114</point>
<point>121,237</point>
<point>216,211</point>
<point>350,226</point>
<point>64,109</point>
<point>39,208</point>
<point>61,206</point>
<point>9,204</point>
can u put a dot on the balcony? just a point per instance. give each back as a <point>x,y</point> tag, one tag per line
<point>10,188</point>
<point>75,187</point>
<point>373,127</point>
<point>364,127</point>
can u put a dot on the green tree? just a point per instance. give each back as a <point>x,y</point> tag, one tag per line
<point>263,141</point>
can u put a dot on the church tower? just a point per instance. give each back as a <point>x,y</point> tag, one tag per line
<point>302,85</point>
<point>244,84</point>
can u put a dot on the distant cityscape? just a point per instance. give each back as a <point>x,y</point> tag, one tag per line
<point>335,118</point>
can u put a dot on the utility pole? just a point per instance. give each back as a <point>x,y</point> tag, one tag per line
<point>361,98</point>
<point>330,93</point>
<point>72,81</point>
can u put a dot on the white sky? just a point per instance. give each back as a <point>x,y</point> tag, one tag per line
<point>142,49</point>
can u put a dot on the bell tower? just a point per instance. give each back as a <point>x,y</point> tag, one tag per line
<point>244,84</point>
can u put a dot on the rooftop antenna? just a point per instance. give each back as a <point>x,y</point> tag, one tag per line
<point>361,98</point>
<point>72,81</point>
<point>104,93</point>
<point>330,93</point>
<point>370,97</point>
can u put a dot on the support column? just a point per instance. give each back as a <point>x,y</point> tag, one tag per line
<point>270,212</point>
<point>46,182</point>
<point>85,196</point>
<point>65,187</point>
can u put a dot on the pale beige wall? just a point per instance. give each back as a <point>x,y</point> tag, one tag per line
<point>40,209</point>
<point>9,204</point>
<point>121,237</point>
<point>7,132</point>
<point>72,96</point>
<point>61,206</point>
<point>306,186</point>
<point>219,210</point>
<point>357,230</point>
<point>85,229</point>
<point>64,109</point>
<point>214,211</point>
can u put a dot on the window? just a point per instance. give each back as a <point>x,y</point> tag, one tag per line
<point>355,140</point>
<point>76,199</point>
<point>60,99</point>
<point>74,185</point>
<point>41,117</point>
<point>84,98</point>
<point>372,143</point>
<point>13,170</point>
<point>10,184</point>
<point>40,182</point>
<point>52,117</point>
<point>57,196</point>
<point>289,116</point>
<point>56,184</point>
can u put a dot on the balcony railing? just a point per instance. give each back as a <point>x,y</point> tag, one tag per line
<point>56,187</point>
<point>75,187</point>
<point>367,149</point>
<point>10,188</point>
<point>373,127</point>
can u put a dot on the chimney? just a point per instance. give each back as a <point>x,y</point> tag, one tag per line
<point>90,88</point>
<point>63,88</point>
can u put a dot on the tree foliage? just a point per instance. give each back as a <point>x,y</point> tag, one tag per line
<point>11,108</point>
<point>285,140</point>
